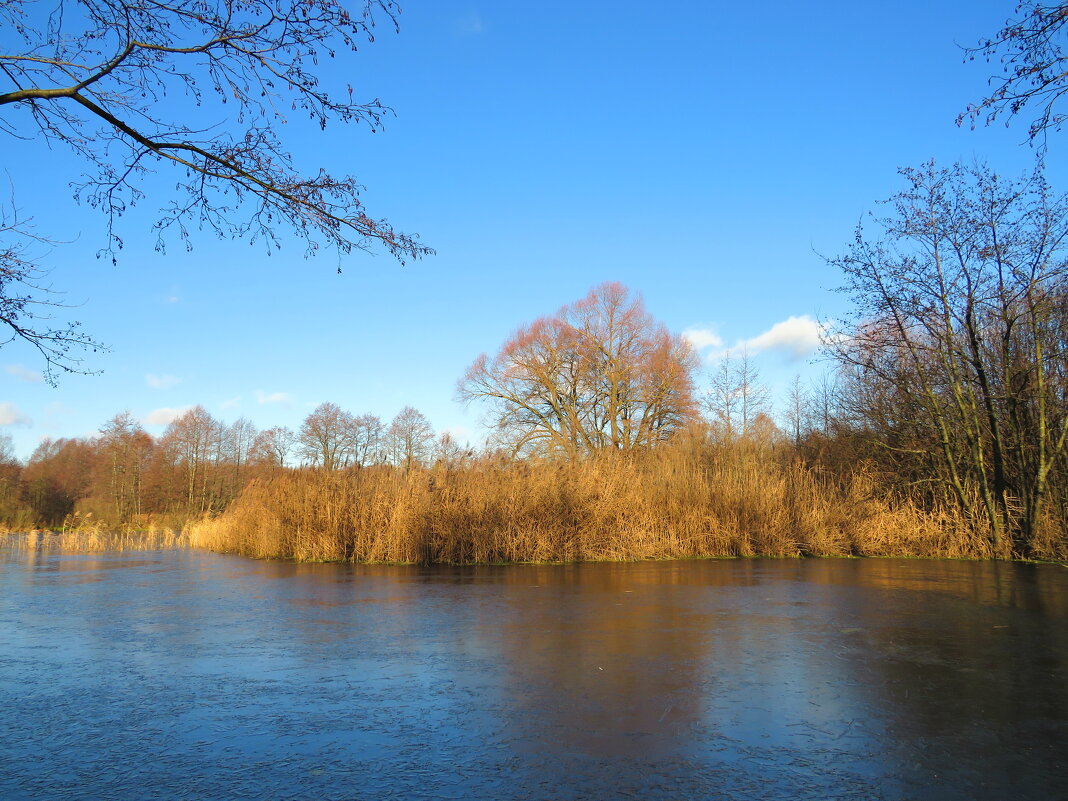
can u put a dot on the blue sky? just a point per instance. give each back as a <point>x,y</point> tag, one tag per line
<point>702,153</point>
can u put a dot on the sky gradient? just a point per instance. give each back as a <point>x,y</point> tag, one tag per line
<point>705,156</point>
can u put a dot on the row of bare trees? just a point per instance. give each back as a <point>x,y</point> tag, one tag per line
<point>952,386</point>
<point>333,439</point>
<point>599,375</point>
<point>955,365</point>
<point>199,464</point>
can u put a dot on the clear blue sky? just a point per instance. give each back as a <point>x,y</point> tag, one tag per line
<point>702,153</point>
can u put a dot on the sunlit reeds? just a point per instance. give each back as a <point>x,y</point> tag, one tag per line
<point>677,502</point>
<point>82,535</point>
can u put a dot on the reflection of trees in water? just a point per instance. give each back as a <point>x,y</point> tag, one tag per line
<point>1037,588</point>
<point>885,669</point>
<point>962,694</point>
<point>878,674</point>
<point>607,659</point>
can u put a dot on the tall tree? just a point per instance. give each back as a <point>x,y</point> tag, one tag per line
<point>736,396</point>
<point>327,437</point>
<point>57,476</point>
<point>958,355</point>
<point>191,442</point>
<point>411,438</point>
<point>599,374</point>
<point>237,449</point>
<point>124,450</point>
<point>201,87</point>
<point>797,410</point>
<point>367,445</point>
<point>274,446</point>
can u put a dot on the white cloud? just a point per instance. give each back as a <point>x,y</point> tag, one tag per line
<point>11,415</point>
<point>161,381</point>
<point>273,397</point>
<point>24,373</point>
<point>701,338</point>
<point>797,337</point>
<point>164,415</point>
<point>470,24</point>
<point>230,403</point>
<point>56,416</point>
<point>459,434</point>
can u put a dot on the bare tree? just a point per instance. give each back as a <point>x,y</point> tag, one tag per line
<point>736,395</point>
<point>797,410</point>
<point>129,86</point>
<point>327,437</point>
<point>28,304</point>
<point>957,360</point>
<point>124,447</point>
<point>368,432</point>
<point>192,442</point>
<point>411,438</point>
<point>7,449</point>
<point>238,443</point>
<point>274,445</point>
<point>600,373</point>
<point>1034,68</point>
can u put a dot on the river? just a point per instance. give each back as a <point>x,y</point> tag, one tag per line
<point>190,675</point>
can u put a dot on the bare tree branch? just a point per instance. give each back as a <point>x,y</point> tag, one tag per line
<point>1034,69</point>
<point>201,86</point>
<point>27,303</point>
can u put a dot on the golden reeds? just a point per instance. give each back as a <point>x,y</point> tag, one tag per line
<point>84,535</point>
<point>670,503</point>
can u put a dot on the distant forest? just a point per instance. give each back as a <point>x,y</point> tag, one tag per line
<point>947,411</point>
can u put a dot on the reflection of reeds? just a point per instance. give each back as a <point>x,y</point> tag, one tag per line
<point>93,538</point>
<point>672,503</point>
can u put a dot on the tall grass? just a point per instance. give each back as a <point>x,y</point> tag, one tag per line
<point>671,503</point>
<point>96,539</point>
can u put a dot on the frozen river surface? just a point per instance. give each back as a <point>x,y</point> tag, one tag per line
<point>189,675</point>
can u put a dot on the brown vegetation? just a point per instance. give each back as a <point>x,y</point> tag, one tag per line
<point>599,374</point>
<point>946,436</point>
<point>690,500</point>
<point>94,538</point>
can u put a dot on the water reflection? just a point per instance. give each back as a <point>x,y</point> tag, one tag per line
<point>206,676</point>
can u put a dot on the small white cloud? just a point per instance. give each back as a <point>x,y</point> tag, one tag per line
<point>11,415</point>
<point>161,381</point>
<point>701,338</point>
<point>56,416</point>
<point>230,403</point>
<point>24,373</point>
<point>173,299</point>
<point>470,24</point>
<point>273,397</point>
<point>459,434</point>
<point>164,415</point>
<point>797,337</point>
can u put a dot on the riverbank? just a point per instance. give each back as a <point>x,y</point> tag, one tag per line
<point>669,505</point>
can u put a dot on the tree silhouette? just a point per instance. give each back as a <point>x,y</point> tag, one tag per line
<point>202,87</point>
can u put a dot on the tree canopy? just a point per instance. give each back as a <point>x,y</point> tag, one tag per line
<point>198,86</point>
<point>1030,50</point>
<point>600,373</point>
<point>956,363</point>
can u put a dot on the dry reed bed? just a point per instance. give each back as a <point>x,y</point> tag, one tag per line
<point>96,539</point>
<point>668,504</point>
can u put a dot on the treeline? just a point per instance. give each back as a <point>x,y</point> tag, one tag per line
<point>942,430</point>
<point>698,496</point>
<point>125,477</point>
